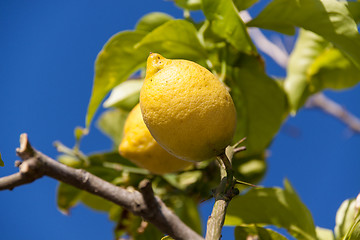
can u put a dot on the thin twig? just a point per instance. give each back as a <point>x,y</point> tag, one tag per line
<point>223,195</point>
<point>279,55</point>
<point>143,203</point>
<point>332,108</point>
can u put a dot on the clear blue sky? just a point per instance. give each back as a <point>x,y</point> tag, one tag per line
<point>47,55</point>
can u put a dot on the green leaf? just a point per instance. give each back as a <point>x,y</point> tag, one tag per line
<point>354,231</point>
<point>272,206</point>
<point>244,4</point>
<point>115,63</point>
<point>330,19</point>
<point>174,39</point>
<point>187,210</point>
<point>308,46</point>
<point>315,66</point>
<point>345,217</point>
<point>95,202</point>
<point>256,232</point>
<point>114,160</point>
<point>112,123</point>
<point>249,169</point>
<point>189,4</point>
<point>324,234</point>
<point>1,161</point>
<point>106,173</point>
<point>354,8</point>
<point>226,22</point>
<point>167,238</point>
<point>125,95</point>
<point>67,197</point>
<point>152,20</point>
<point>332,70</point>
<point>99,159</point>
<point>70,161</point>
<point>260,103</point>
<point>150,232</point>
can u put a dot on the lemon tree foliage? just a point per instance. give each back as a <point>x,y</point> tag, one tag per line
<point>246,231</point>
<point>326,56</point>
<point>274,206</point>
<point>348,220</point>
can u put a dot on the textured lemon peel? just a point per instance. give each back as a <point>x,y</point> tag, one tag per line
<point>186,108</point>
<point>140,147</point>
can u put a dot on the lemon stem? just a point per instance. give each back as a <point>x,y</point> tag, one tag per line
<point>223,194</point>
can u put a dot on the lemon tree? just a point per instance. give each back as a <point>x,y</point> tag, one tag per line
<point>205,89</point>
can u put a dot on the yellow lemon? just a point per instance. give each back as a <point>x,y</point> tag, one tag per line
<point>186,108</point>
<point>140,147</point>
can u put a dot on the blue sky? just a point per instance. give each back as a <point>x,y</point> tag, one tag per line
<point>47,58</point>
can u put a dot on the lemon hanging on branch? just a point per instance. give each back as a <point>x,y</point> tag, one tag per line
<point>140,147</point>
<point>186,108</point>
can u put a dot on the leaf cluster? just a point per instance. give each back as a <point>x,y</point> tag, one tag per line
<point>326,56</point>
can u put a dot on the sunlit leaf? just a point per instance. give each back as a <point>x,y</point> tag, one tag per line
<point>167,238</point>
<point>67,197</point>
<point>354,231</point>
<point>332,70</point>
<point>112,123</point>
<point>70,161</point>
<point>95,202</point>
<point>79,133</point>
<point>330,19</point>
<point>260,103</point>
<point>345,217</point>
<point>152,20</point>
<point>174,39</point>
<point>249,169</point>
<point>125,95</point>
<point>226,22</point>
<point>272,206</point>
<point>324,234</point>
<point>315,66</point>
<point>115,63</point>
<point>189,4</point>
<point>256,232</point>
<point>308,46</point>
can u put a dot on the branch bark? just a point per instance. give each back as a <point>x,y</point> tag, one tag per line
<point>143,203</point>
<point>223,195</point>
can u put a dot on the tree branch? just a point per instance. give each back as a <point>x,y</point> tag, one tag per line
<point>143,203</point>
<point>278,54</point>
<point>223,195</point>
<point>334,109</point>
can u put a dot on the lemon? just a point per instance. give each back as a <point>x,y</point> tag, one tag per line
<point>186,108</point>
<point>140,147</point>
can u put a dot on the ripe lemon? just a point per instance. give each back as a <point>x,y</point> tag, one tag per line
<point>140,147</point>
<point>186,108</point>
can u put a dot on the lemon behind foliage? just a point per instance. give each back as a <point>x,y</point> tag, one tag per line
<point>186,108</point>
<point>140,147</point>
